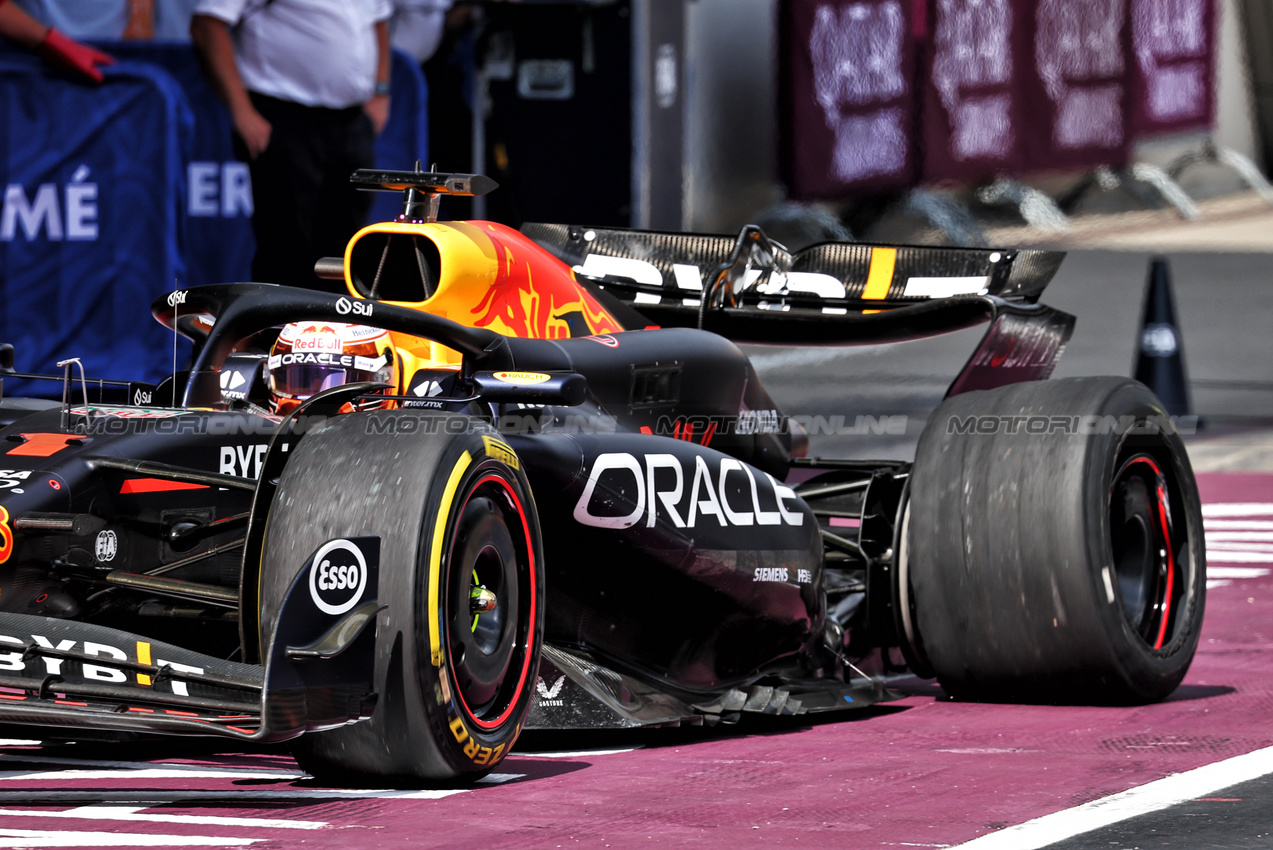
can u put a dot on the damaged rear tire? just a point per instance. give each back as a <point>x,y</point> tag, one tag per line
<point>1053,546</point>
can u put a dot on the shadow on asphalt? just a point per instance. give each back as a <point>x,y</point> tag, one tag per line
<point>1192,692</point>
<point>534,741</point>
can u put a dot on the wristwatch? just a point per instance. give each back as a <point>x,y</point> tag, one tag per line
<point>382,88</point>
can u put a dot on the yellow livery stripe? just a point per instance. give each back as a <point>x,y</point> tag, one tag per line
<point>435,556</point>
<point>883,260</point>
<point>143,657</point>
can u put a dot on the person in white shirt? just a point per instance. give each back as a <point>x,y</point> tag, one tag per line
<point>307,85</point>
<point>417,26</point>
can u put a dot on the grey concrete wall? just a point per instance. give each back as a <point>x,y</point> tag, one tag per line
<point>731,130</point>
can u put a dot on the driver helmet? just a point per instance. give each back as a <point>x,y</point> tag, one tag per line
<point>313,356</point>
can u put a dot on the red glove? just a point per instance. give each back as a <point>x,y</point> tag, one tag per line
<point>62,52</point>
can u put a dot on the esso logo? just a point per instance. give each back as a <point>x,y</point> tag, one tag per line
<point>178,297</point>
<point>338,577</point>
<point>345,306</point>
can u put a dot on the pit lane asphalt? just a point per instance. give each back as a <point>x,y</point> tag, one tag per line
<point>921,772</point>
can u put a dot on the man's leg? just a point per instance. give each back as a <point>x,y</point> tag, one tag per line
<point>286,185</point>
<point>342,209</point>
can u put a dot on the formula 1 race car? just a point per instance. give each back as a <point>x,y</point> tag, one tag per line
<point>539,484</point>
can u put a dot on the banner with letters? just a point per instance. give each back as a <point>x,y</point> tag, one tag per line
<point>1173,75</point>
<point>976,55</point>
<point>878,95</point>
<point>848,102</point>
<point>90,220</point>
<point>1075,98</point>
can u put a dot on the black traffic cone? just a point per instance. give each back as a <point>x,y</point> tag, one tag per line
<point>1160,358</point>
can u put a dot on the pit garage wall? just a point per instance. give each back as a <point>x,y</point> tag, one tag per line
<point>731,123</point>
<point>731,130</point>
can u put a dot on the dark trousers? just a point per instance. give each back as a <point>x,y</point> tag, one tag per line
<point>304,206</point>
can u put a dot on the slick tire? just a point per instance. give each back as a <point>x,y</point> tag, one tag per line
<point>1052,546</point>
<point>455,668</point>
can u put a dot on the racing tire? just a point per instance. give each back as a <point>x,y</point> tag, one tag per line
<point>1052,546</point>
<point>455,669</point>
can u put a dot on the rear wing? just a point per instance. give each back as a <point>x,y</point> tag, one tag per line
<point>752,289</point>
<point>844,275</point>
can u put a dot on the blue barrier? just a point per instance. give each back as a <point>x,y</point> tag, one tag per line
<point>118,193</point>
<point>91,217</point>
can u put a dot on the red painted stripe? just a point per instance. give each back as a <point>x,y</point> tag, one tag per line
<point>43,445</point>
<point>157,485</point>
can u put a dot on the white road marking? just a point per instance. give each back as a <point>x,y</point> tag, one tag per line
<point>148,772</point>
<point>1224,536</point>
<point>109,811</point>
<point>136,768</point>
<point>1245,524</point>
<point>1237,509</point>
<point>1211,584</point>
<point>1151,797</point>
<point>43,838</point>
<point>1236,572</point>
<point>1239,557</point>
<point>224,795</point>
<point>575,753</point>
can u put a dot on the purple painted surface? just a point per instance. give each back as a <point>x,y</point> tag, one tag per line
<point>921,772</point>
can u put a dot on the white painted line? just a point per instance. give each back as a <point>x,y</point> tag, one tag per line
<point>229,794</point>
<point>1238,509</point>
<point>1236,572</point>
<point>1211,584</point>
<point>1218,536</point>
<point>18,742</point>
<point>190,770</point>
<point>1240,557</point>
<point>108,811</point>
<point>148,772</point>
<point>44,838</point>
<point>1242,524</point>
<point>1152,797</point>
<point>500,778</point>
<point>570,754</point>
